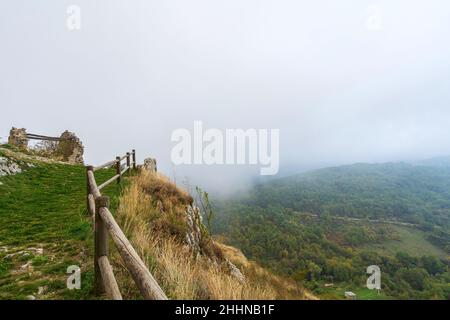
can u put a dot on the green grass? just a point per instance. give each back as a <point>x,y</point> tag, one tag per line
<point>337,292</point>
<point>410,240</point>
<point>44,208</point>
<point>367,294</point>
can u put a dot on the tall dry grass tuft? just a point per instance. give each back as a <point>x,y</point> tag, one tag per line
<point>152,214</point>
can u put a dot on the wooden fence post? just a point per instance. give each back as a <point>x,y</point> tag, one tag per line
<point>134,159</point>
<point>90,198</point>
<point>101,241</point>
<point>88,187</point>
<point>118,169</point>
<point>128,164</point>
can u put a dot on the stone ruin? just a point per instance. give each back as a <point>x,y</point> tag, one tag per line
<point>18,138</point>
<point>69,147</point>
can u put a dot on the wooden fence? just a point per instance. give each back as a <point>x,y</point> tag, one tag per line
<point>104,226</point>
<point>33,136</point>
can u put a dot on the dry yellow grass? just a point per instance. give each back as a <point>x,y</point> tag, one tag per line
<point>150,207</point>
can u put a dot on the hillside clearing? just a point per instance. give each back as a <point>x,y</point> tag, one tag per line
<point>410,240</point>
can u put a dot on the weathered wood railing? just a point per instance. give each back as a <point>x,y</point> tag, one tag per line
<point>105,225</point>
<point>41,137</point>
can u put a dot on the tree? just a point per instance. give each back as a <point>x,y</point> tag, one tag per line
<point>203,199</point>
<point>432,265</point>
<point>414,277</point>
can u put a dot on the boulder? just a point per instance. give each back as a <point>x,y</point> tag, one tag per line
<point>150,165</point>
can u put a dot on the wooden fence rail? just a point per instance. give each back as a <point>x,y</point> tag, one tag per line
<point>104,226</point>
<point>33,136</point>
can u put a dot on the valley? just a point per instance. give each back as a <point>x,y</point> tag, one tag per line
<point>323,228</point>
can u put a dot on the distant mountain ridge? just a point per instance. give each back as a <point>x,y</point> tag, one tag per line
<point>412,193</point>
<point>443,161</point>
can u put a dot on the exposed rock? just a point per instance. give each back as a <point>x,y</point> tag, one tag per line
<point>8,167</point>
<point>26,255</point>
<point>18,138</point>
<point>235,272</point>
<point>150,165</point>
<point>30,297</point>
<point>194,235</point>
<point>37,251</point>
<point>25,159</point>
<point>70,148</point>
<point>42,290</point>
<point>26,267</point>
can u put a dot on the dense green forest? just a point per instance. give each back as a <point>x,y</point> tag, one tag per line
<point>415,194</point>
<point>327,226</point>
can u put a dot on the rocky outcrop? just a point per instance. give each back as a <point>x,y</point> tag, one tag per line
<point>150,165</point>
<point>235,272</point>
<point>70,148</point>
<point>194,234</point>
<point>8,167</point>
<point>194,241</point>
<point>18,138</point>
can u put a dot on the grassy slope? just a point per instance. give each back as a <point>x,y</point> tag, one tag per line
<point>410,240</point>
<point>152,212</point>
<point>44,208</point>
<point>337,293</point>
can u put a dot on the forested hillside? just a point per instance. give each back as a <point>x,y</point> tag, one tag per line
<point>416,194</point>
<point>327,226</point>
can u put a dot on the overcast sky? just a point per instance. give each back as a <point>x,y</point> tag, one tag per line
<point>344,81</point>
